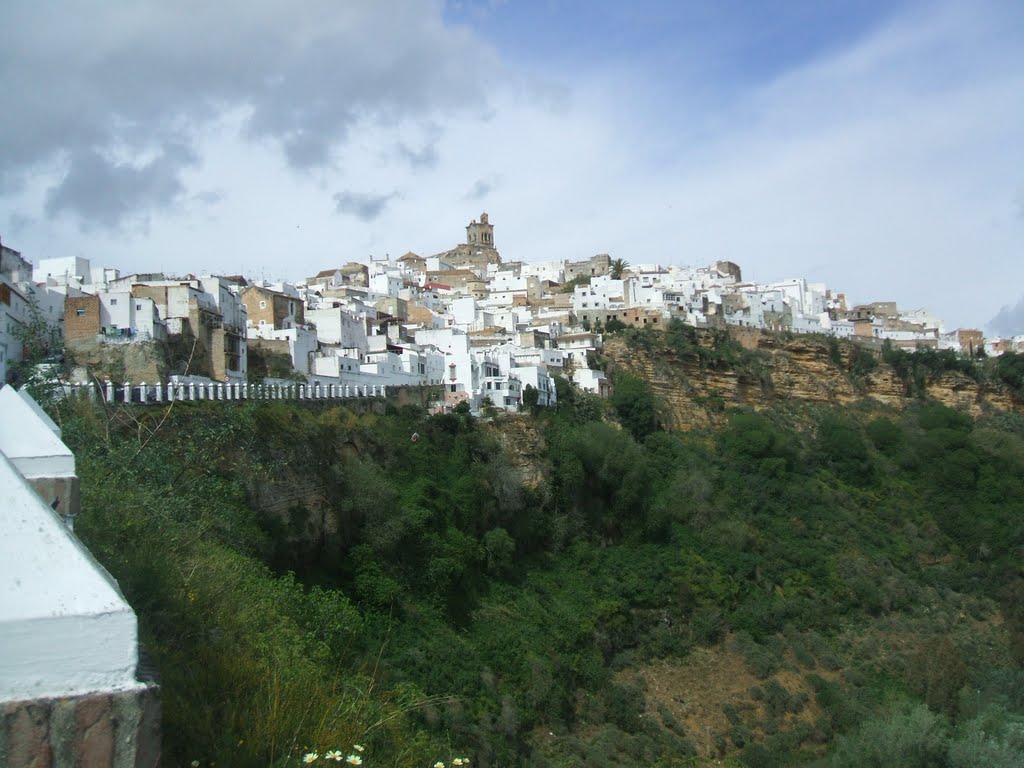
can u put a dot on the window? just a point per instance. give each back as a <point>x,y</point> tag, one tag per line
<point>80,312</point>
<point>138,307</point>
<point>263,305</point>
<point>113,302</point>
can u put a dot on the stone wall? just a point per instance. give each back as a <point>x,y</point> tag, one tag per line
<point>104,730</point>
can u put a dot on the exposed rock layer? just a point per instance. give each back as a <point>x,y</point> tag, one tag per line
<point>799,369</point>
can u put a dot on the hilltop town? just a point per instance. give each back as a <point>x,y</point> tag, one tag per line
<point>487,331</point>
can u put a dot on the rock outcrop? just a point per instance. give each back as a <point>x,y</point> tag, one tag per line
<point>777,369</point>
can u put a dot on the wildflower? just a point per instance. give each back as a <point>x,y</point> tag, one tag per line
<point>358,747</point>
<point>334,755</point>
<point>310,757</point>
<point>354,760</point>
<point>438,764</point>
<point>457,761</point>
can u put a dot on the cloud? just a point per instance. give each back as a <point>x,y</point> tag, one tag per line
<point>90,80</point>
<point>481,188</point>
<point>421,159</point>
<point>365,207</point>
<point>104,192</point>
<point>1009,321</point>
<point>18,223</point>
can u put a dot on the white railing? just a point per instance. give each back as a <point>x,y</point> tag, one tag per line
<point>151,394</point>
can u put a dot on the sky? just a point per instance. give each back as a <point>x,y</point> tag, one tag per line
<point>877,147</point>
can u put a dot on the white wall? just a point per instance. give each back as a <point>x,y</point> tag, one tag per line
<point>65,628</point>
<point>62,270</point>
<point>336,325</point>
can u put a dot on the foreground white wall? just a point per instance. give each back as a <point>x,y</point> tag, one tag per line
<point>65,629</point>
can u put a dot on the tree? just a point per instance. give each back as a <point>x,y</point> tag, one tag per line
<point>40,339</point>
<point>571,285</point>
<point>908,735</point>
<point>634,404</point>
<point>531,397</point>
<point>1010,369</point>
<point>618,266</point>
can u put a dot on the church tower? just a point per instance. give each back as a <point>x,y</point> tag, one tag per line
<point>481,234</point>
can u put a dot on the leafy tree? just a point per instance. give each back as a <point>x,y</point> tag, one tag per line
<point>1010,369</point>
<point>617,267</point>
<point>909,736</point>
<point>40,340</point>
<point>501,549</point>
<point>531,397</point>
<point>572,285</point>
<point>633,402</point>
<point>842,446</point>
<point>862,363</point>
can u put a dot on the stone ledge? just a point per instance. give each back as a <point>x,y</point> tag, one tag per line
<point>117,729</point>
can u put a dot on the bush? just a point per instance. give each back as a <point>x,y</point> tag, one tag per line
<point>908,735</point>
<point>634,405</point>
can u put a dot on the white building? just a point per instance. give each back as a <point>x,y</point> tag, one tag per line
<point>63,271</point>
<point>601,293</point>
<point>13,313</point>
<point>339,327</point>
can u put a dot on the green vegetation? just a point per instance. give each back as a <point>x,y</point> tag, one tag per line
<point>40,341</point>
<point>308,578</point>
<point>570,285</point>
<point>264,363</point>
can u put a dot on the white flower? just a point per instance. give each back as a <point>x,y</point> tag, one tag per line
<point>457,761</point>
<point>354,760</point>
<point>310,757</point>
<point>335,755</point>
<point>438,764</point>
<point>358,747</point>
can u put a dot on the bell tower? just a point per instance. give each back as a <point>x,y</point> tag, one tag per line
<point>480,234</point>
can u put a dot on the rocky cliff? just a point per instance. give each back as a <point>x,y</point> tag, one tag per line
<point>698,390</point>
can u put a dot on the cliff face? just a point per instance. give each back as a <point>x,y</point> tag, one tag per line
<point>697,394</point>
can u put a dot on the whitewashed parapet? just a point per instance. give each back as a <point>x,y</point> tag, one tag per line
<point>144,393</point>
